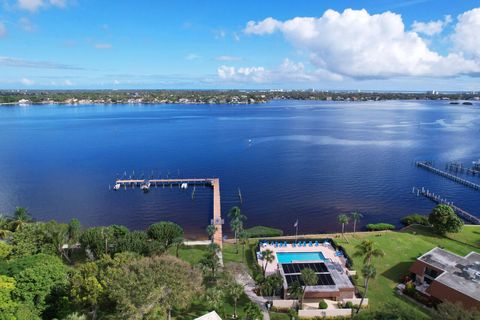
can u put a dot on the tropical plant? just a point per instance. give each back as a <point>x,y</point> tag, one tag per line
<point>454,311</point>
<point>211,229</point>
<point>368,272</point>
<point>74,231</point>
<point>343,219</point>
<point>236,223</point>
<point>295,290</point>
<point>415,219</point>
<point>267,257</point>
<point>253,312</point>
<point>235,291</point>
<point>443,219</point>
<point>309,278</point>
<point>165,232</point>
<point>243,239</point>
<point>380,226</point>
<point>356,216</point>
<point>86,288</point>
<point>367,250</point>
<point>214,298</point>
<point>20,218</point>
<point>322,304</point>
<point>271,284</point>
<point>210,262</point>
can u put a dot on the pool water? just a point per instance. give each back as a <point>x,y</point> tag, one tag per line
<point>289,257</point>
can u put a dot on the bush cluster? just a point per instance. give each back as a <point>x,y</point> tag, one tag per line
<point>415,219</point>
<point>380,226</point>
<point>261,231</point>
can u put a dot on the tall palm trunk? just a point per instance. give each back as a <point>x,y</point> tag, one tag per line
<point>235,308</point>
<point>364,295</point>
<point>354,226</point>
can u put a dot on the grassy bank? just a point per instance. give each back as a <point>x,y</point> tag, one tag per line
<point>401,249</point>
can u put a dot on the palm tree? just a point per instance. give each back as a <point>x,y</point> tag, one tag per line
<point>214,298</point>
<point>236,222</point>
<point>177,242</point>
<point>237,228</point>
<point>267,257</point>
<point>367,250</point>
<point>243,239</point>
<point>4,231</point>
<point>343,219</point>
<point>235,291</point>
<point>211,229</point>
<point>295,290</point>
<point>20,218</point>
<point>356,216</point>
<point>368,272</point>
<point>309,278</point>
<point>252,311</point>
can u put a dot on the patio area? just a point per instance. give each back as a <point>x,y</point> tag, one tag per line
<point>326,250</point>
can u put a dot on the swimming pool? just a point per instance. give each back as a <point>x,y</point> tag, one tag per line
<point>289,257</point>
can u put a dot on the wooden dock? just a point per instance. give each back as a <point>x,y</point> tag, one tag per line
<point>429,166</point>
<point>212,182</point>
<point>438,199</point>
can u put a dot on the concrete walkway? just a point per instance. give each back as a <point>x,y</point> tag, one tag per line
<point>248,284</point>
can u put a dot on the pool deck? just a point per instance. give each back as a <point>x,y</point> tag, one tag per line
<point>327,251</point>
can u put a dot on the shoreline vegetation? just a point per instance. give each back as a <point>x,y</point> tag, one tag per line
<point>69,97</point>
<point>86,273</point>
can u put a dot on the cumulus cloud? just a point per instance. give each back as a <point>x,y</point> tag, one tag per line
<point>34,5</point>
<point>359,45</point>
<point>103,46</point>
<point>467,33</point>
<point>431,28</point>
<point>3,29</point>
<point>287,71</point>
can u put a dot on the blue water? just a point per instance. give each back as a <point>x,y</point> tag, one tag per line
<point>306,160</point>
<point>289,257</point>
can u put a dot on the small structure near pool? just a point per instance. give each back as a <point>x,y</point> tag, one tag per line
<point>329,264</point>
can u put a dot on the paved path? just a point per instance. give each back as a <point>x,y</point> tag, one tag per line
<point>249,285</point>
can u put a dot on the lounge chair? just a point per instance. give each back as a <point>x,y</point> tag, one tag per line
<point>310,243</point>
<point>304,243</point>
<point>316,244</point>
<point>293,245</point>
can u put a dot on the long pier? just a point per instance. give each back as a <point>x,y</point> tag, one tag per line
<point>438,199</point>
<point>428,166</point>
<point>145,185</point>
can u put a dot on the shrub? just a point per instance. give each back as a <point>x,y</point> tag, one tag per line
<point>322,304</point>
<point>409,289</point>
<point>348,305</point>
<point>261,231</point>
<point>380,226</point>
<point>443,219</point>
<point>415,219</point>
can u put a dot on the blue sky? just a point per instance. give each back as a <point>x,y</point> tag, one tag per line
<point>390,45</point>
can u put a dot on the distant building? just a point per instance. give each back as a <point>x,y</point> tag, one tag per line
<point>445,276</point>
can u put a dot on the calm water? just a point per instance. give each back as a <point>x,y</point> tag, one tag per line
<point>311,160</point>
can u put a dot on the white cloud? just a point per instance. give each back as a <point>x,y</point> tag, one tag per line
<point>3,29</point>
<point>26,25</point>
<point>288,71</point>
<point>27,82</point>
<point>466,37</point>
<point>228,58</point>
<point>192,56</point>
<point>362,46</point>
<point>103,46</point>
<point>22,63</point>
<point>34,5</point>
<point>431,28</point>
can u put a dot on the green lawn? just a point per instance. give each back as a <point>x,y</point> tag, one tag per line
<point>401,249</point>
<point>190,254</point>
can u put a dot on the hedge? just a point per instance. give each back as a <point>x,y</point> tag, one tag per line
<point>415,219</point>
<point>380,226</point>
<point>261,231</point>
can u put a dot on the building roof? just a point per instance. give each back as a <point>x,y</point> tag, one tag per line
<point>330,276</point>
<point>209,316</point>
<point>459,273</point>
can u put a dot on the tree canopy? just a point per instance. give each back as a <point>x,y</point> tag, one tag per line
<point>443,219</point>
